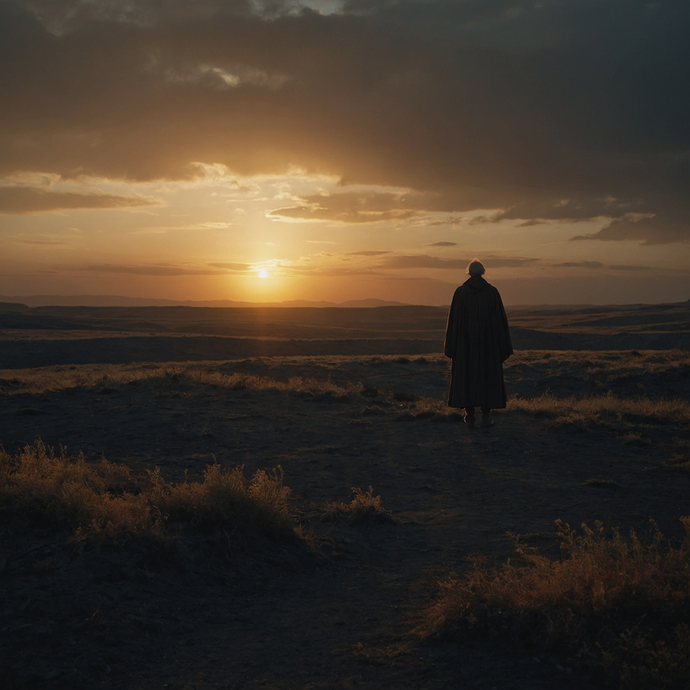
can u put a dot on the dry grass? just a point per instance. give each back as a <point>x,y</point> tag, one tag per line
<point>109,377</point>
<point>621,603</point>
<point>607,408</point>
<point>102,503</point>
<point>364,507</point>
<point>584,412</point>
<point>226,499</point>
<point>625,414</point>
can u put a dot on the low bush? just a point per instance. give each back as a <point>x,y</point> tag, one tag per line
<point>102,502</point>
<point>364,507</point>
<point>622,604</point>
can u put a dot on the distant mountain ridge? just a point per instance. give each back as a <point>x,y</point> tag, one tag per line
<point>121,301</point>
<point>16,303</point>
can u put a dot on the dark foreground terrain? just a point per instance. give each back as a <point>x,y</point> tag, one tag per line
<point>587,436</point>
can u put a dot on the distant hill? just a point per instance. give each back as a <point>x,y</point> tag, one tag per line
<point>58,335</point>
<point>121,301</point>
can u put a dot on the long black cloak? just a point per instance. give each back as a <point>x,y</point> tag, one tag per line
<point>478,342</point>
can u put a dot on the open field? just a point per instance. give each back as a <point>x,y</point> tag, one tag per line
<point>45,336</point>
<point>127,578</point>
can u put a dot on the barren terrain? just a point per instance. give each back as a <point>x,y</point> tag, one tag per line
<point>587,436</point>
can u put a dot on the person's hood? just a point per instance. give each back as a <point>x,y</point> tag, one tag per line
<point>476,283</point>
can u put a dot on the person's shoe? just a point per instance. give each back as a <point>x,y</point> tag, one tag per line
<point>487,421</point>
<point>469,420</point>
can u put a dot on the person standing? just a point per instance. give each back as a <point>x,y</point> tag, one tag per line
<point>477,342</point>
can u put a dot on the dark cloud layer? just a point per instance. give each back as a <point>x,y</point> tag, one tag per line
<point>558,110</point>
<point>425,261</point>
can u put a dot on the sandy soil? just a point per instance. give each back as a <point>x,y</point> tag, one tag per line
<point>240,612</point>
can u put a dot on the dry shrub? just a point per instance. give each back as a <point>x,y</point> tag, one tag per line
<point>226,499</point>
<point>45,487</point>
<point>364,507</point>
<point>604,410</point>
<point>623,604</point>
<point>102,503</point>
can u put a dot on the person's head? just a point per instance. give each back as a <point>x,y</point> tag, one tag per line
<point>476,268</point>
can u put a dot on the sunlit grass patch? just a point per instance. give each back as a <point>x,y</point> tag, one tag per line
<point>102,503</point>
<point>621,603</point>
<point>108,378</point>
<point>364,507</point>
<point>605,409</point>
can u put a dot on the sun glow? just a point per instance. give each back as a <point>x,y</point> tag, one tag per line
<point>263,273</point>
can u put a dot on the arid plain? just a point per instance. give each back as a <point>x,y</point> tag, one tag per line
<point>597,429</point>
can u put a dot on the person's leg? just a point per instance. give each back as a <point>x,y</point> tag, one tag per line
<point>486,417</point>
<point>469,417</point>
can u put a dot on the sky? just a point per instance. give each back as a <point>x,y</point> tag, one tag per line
<point>269,150</point>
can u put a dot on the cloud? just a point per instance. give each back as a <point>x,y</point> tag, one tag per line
<point>44,242</point>
<point>442,244</point>
<point>369,252</point>
<point>624,267</point>
<point>580,264</point>
<point>649,229</point>
<point>156,270</point>
<point>508,106</point>
<point>234,267</point>
<point>15,200</point>
<point>425,261</point>
<point>598,265</point>
<point>163,229</point>
<point>351,207</point>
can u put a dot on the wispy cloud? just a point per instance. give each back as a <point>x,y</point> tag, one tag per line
<point>163,229</point>
<point>425,261</point>
<point>28,200</point>
<point>40,242</point>
<point>235,267</point>
<point>580,264</point>
<point>152,270</point>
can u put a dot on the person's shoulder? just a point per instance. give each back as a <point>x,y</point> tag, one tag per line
<point>458,296</point>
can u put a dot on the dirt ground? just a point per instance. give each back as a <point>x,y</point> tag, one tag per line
<point>235,611</point>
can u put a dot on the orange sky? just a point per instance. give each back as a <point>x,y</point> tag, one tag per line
<point>349,150</point>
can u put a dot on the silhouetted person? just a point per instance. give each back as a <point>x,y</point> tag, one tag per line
<point>478,342</point>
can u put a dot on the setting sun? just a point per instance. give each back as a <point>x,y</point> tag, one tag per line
<point>263,274</point>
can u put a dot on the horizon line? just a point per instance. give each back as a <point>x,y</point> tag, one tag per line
<point>367,302</point>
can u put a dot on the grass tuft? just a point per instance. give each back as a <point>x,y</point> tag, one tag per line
<point>621,603</point>
<point>226,499</point>
<point>102,503</point>
<point>364,507</point>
